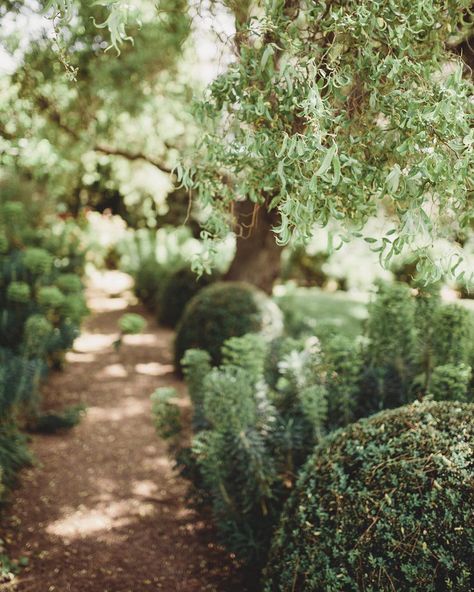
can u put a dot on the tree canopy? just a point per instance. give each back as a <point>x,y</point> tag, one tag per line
<point>332,111</point>
<point>336,109</point>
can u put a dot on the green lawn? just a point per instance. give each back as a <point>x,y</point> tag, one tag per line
<point>311,310</point>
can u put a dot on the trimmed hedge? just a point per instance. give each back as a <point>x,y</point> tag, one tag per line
<point>177,290</point>
<point>221,311</point>
<point>385,504</point>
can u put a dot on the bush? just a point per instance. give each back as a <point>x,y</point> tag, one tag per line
<point>176,291</point>
<point>221,311</point>
<point>407,336</point>
<point>249,439</point>
<point>392,346</point>
<point>450,382</point>
<point>453,335</point>
<point>259,414</point>
<point>148,278</point>
<point>383,505</point>
<point>42,306</point>
<point>52,422</point>
<point>131,324</point>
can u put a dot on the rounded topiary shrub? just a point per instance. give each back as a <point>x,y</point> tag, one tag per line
<point>224,310</point>
<point>176,292</point>
<point>383,505</point>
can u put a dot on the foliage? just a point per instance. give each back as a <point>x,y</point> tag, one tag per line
<point>78,130</point>
<point>311,311</point>
<point>453,335</point>
<point>258,415</point>
<point>304,267</point>
<point>342,363</point>
<point>450,382</point>
<point>250,437</point>
<point>52,422</point>
<point>384,504</point>
<point>334,109</point>
<point>196,364</point>
<point>391,349</point>
<point>408,336</point>
<point>131,323</point>
<point>177,290</point>
<point>166,414</point>
<point>221,311</point>
<point>42,306</point>
<point>14,453</point>
<point>161,265</point>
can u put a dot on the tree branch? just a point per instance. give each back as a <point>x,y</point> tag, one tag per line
<point>132,156</point>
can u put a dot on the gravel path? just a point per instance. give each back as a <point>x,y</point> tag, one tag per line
<point>103,510</point>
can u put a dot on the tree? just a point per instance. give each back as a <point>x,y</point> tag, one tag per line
<point>71,111</point>
<point>334,110</point>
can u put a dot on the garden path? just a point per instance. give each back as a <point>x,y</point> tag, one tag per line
<point>103,510</point>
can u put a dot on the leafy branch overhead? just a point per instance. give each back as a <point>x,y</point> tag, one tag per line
<point>335,111</point>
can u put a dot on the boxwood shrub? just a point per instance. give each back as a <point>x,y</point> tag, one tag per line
<point>177,290</point>
<point>221,311</point>
<point>384,504</point>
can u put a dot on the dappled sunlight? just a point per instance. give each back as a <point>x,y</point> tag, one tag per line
<point>140,339</point>
<point>154,369</point>
<point>110,282</point>
<point>79,357</point>
<point>129,407</point>
<point>157,463</point>
<point>113,371</point>
<point>86,522</point>
<point>103,304</point>
<point>144,488</point>
<point>93,342</point>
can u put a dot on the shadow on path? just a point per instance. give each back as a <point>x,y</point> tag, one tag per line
<point>103,510</point>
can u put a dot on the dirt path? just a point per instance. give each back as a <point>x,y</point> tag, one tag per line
<point>103,510</point>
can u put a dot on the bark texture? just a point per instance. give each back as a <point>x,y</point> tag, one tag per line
<point>258,257</point>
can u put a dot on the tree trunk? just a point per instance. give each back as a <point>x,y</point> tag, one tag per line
<point>258,257</point>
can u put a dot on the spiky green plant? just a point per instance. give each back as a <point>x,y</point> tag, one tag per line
<point>19,292</point>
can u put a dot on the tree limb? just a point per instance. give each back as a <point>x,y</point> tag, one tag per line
<point>132,156</point>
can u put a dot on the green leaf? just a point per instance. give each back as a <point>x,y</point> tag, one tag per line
<point>327,160</point>
<point>393,179</point>
<point>336,165</point>
<point>269,51</point>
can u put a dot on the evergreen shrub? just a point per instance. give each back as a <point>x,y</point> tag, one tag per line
<point>382,505</point>
<point>177,289</point>
<point>223,310</point>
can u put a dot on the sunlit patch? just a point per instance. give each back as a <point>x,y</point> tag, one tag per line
<point>104,304</point>
<point>145,488</point>
<point>81,358</point>
<point>112,281</point>
<point>93,342</point>
<point>159,462</point>
<point>141,339</point>
<point>448,294</point>
<point>154,369</point>
<point>130,407</point>
<point>114,370</point>
<point>91,521</point>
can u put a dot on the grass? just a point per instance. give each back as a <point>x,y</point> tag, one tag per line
<point>314,311</point>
